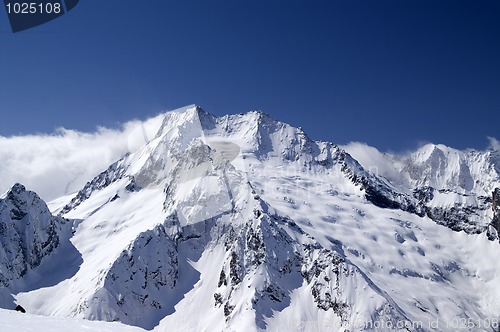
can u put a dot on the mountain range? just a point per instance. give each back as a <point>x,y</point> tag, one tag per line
<point>243,223</point>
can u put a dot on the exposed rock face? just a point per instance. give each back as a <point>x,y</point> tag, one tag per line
<point>462,216</point>
<point>496,200</point>
<point>114,172</point>
<point>494,230</point>
<point>28,233</point>
<point>377,191</point>
<point>260,248</point>
<point>137,283</point>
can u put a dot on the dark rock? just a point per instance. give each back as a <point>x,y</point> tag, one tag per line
<point>222,279</point>
<point>495,204</point>
<point>228,309</point>
<point>457,218</point>
<point>424,194</point>
<point>132,186</point>
<point>20,309</point>
<point>377,190</point>
<point>218,299</point>
<point>494,233</point>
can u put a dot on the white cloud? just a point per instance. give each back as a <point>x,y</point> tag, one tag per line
<point>494,144</point>
<point>61,163</point>
<point>373,160</point>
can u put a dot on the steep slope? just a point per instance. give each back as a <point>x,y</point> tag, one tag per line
<point>442,168</point>
<point>28,235</point>
<point>244,223</point>
<point>458,185</point>
<point>495,207</point>
<point>455,187</point>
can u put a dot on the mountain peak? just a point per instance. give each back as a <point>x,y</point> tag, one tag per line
<point>191,116</point>
<point>17,189</point>
<point>28,232</point>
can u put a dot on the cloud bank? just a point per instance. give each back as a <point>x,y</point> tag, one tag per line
<point>494,144</point>
<point>61,163</point>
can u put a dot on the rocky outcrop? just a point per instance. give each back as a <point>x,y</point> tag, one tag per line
<point>464,215</point>
<point>377,191</point>
<point>494,227</point>
<point>322,269</point>
<point>28,233</point>
<point>258,249</point>
<point>464,212</point>
<point>114,172</point>
<point>136,286</point>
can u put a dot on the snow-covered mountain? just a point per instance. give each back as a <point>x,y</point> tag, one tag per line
<point>455,187</point>
<point>242,222</point>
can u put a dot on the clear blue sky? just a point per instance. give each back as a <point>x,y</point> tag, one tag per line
<point>389,73</point>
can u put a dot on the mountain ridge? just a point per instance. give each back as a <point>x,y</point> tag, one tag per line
<point>259,227</point>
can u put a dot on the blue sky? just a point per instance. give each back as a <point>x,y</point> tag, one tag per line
<point>393,74</point>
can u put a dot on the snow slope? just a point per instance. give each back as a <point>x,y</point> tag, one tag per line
<point>19,322</point>
<point>454,186</point>
<point>243,223</point>
<point>31,242</point>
